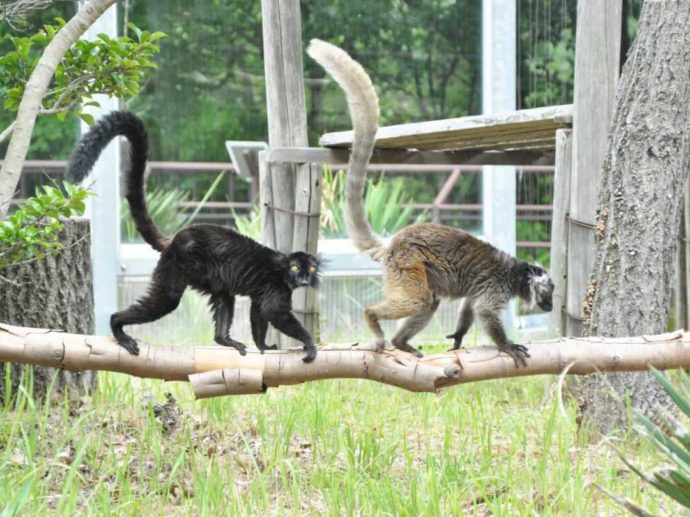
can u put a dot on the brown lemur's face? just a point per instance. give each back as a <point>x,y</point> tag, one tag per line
<point>303,270</point>
<point>541,288</point>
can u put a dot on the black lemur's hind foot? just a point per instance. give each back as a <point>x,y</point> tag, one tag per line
<point>263,348</point>
<point>128,343</point>
<point>311,353</point>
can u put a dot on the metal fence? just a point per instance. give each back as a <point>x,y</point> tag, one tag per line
<point>448,203</point>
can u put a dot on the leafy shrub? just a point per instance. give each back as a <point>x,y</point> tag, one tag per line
<point>115,66</point>
<point>32,231</point>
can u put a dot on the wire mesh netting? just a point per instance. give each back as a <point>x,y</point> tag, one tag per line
<point>342,301</point>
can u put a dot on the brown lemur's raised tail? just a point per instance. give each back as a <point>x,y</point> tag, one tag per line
<point>364,113</point>
<point>89,148</point>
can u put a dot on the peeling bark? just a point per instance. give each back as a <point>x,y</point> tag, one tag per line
<point>640,205</point>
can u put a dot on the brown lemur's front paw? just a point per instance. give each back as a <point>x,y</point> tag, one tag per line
<point>457,341</point>
<point>405,347</point>
<point>519,353</point>
<point>379,344</point>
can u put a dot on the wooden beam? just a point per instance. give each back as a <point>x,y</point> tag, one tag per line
<point>559,226</point>
<point>390,156</point>
<point>512,130</point>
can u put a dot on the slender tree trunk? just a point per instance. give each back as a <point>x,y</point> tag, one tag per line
<point>640,206</point>
<point>53,293</point>
<point>34,92</point>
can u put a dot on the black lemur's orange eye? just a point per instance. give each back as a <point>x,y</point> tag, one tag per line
<point>294,268</point>
<point>312,269</point>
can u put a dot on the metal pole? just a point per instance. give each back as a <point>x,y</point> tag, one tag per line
<point>104,208</point>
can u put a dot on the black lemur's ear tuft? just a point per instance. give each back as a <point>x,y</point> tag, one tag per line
<point>321,262</point>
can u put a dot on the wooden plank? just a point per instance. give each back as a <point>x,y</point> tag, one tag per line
<point>465,138</point>
<point>395,156</point>
<point>597,56</point>
<point>500,126</point>
<point>527,140</point>
<point>559,226</point>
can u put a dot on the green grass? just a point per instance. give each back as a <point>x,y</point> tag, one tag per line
<point>325,448</point>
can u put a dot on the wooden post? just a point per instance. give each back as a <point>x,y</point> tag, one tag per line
<point>559,226</point>
<point>597,56</point>
<point>290,210</point>
<point>684,273</point>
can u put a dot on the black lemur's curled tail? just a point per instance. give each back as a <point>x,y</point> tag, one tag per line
<point>89,148</point>
<point>364,112</point>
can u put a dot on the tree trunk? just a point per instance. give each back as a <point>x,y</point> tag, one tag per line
<point>34,92</point>
<point>640,207</point>
<point>53,293</point>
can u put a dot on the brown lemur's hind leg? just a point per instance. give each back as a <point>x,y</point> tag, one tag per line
<point>465,319</point>
<point>223,312</point>
<point>413,325</point>
<point>407,295</point>
<point>163,297</point>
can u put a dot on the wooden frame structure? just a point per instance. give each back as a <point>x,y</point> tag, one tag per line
<point>290,171</point>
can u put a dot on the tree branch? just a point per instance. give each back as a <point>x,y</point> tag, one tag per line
<point>216,370</point>
<point>34,92</point>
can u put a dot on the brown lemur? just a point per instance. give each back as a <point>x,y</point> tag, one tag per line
<point>213,259</point>
<point>425,262</point>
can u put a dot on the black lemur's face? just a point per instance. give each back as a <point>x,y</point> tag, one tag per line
<point>541,288</point>
<point>303,270</point>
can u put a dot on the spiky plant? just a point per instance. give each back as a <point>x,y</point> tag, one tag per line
<point>672,441</point>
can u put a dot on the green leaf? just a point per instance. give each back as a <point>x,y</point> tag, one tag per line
<point>682,403</point>
<point>86,117</point>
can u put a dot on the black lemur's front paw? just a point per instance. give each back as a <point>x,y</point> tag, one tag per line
<point>311,353</point>
<point>129,344</point>
<point>519,353</point>
<point>240,347</point>
<point>263,348</point>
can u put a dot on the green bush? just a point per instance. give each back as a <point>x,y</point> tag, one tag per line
<point>114,66</point>
<point>31,232</point>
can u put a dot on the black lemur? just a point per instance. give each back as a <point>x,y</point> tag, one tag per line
<point>213,259</point>
<point>425,262</point>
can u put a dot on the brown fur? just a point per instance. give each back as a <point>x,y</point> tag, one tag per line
<point>427,262</point>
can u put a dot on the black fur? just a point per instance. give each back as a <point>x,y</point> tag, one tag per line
<point>212,259</point>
